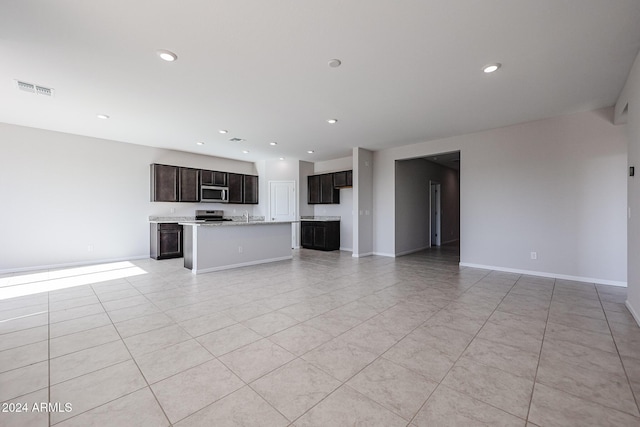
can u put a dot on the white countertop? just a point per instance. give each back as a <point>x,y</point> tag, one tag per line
<point>320,218</point>
<point>232,223</point>
<point>170,219</point>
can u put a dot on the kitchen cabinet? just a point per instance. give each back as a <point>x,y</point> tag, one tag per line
<point>174,184</point>
<point>321,190</point>
<point>236,188</point>
<point>164,183</point>
<point>343,179</point>
<point>313,189</point>
<point>322,235</point>
<point>182,184</point>
<point>213,178</point>
<point>328,193</point>
<point>250,194</point>
<point>189,185</point>
<point>166,240</point>
<point>243,189</point>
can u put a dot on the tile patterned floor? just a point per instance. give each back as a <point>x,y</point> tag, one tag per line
<point>323,340</point>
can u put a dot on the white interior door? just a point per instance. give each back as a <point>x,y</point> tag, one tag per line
<point>282,204</point>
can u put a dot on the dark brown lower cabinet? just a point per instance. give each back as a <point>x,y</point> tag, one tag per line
<point>166,240</point>
<point>322,235</point>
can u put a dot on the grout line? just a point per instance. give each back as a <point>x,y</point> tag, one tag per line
<point>137,366</point>
<point>615,343</point>
<point>439,271</point>
<point>344,383</point>
<point>467,346</point>
<point>544,334</point>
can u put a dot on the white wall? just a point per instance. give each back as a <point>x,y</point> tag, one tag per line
<point>306,169</point>
<point>345,209</point>
<point>630,99</point>
<point>275,170</point>
<point>554,186</point>
<point>412,231</point>
<point>335,165</point>
<point>363,202</point>
<point>62,193</point>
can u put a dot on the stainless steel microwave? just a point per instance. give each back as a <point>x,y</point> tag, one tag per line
<point>213,194</point>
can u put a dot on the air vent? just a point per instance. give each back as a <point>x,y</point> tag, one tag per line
<point>44,91</point>
<point>236,140</point>
<point>31,88</point>
<point>27,87</point>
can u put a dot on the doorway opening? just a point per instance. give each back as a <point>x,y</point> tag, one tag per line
<point>427,204</point>
<point>435,214</point>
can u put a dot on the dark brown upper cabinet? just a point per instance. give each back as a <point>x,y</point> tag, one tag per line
<point>213,178</point>
<point>343,179</point>
<point>179,184</point>
<point>250,195</point>
<point>236,188</point>
<point>164,183</point>
<point>174,184</point>
<point>189,185</point>
<point>321,190</point>
<point>313,189</point>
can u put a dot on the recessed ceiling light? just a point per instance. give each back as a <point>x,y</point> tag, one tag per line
<point>223,131</point>
<point>102,116</point>
<point>167,55</point>
<point>310,151</point>
<point>273,143</point>
<point>332,121</point>
<point>335,63</point>
<point>281,158</point>
<point>245,151</point>
<point>199,143</point>
<point>491,68</point>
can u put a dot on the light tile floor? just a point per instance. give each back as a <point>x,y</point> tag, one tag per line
<point>323,340</point>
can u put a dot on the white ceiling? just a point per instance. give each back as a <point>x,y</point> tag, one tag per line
<point>411,69</point>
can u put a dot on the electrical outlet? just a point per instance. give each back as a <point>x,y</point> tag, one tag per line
<point>90,248</point>
<point>239,249</point>
<point>172,210</point>
<point>534,255</point>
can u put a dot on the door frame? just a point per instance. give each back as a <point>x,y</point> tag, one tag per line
<point>435,192</point>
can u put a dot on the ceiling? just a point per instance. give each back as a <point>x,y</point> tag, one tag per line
<point>411,70</point>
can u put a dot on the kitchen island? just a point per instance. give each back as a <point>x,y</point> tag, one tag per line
<point>214,246</point>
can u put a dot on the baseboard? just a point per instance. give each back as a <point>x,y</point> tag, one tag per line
<point>242,264</point>
<point>71,264</point>
<point>412,251</point>
<point>346,249</point>
<point>449,241</point>
<point>362,255</point>
<point>633,312</point>
<point>384,254</point>
<point>545,274</point>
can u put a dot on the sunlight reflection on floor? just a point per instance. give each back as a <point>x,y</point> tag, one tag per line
<point>33,283</point>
